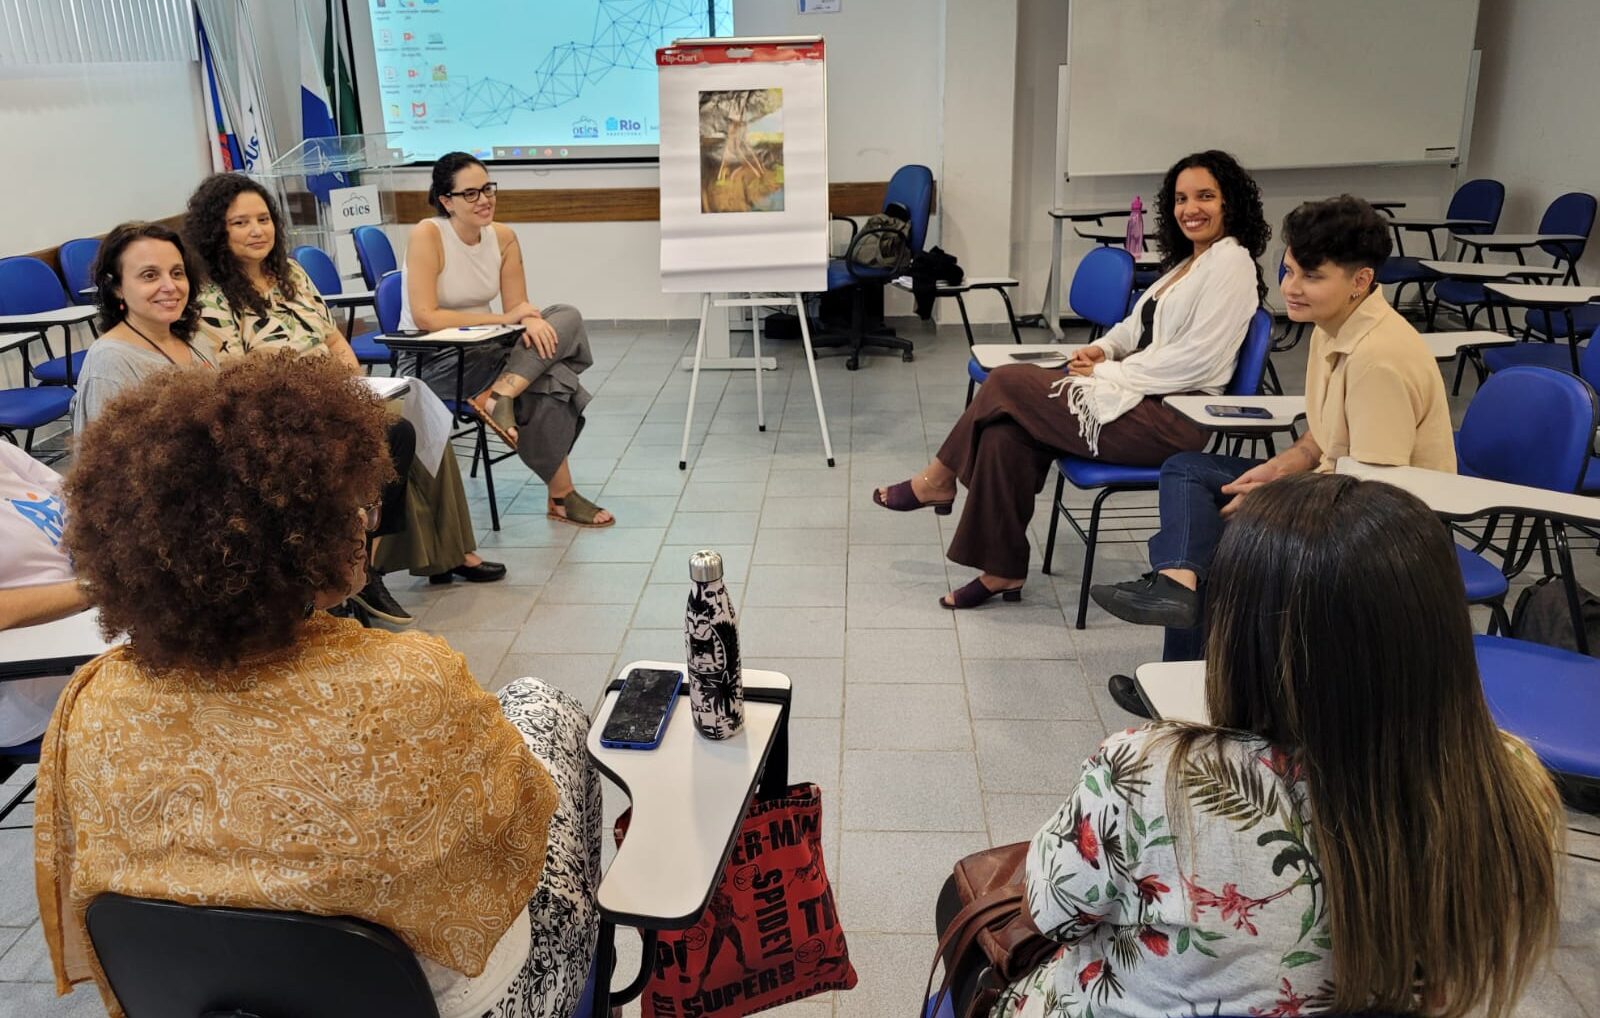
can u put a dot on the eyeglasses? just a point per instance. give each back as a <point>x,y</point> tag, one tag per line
<point>372,515</point>
<point>472,194</point>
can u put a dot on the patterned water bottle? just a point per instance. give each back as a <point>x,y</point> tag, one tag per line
<point>716,685</point>
<point>1134,241</point>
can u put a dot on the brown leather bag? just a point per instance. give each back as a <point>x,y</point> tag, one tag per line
<point>994,930</point>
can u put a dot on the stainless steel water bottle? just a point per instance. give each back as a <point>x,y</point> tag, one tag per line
<point>711,636</point>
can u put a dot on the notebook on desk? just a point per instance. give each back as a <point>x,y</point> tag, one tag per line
<point>462,334</point>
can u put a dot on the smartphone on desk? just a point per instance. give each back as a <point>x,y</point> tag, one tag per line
<point>1257,413</point>
<point>1038,355</point>
<point>644,704</point>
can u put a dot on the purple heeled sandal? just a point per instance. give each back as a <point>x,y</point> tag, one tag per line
<point>901,499</point>
<point>975,593</point>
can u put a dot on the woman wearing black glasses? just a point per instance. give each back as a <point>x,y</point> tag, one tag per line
<point>458,264</point>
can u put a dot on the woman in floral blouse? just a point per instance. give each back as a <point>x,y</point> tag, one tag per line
<point>1353,834</point>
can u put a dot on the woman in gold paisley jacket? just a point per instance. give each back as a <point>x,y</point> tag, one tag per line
<point>244,748</point>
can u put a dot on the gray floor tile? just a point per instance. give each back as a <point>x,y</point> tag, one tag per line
<point>672,563</point>
<point>898,606</point>
<point>573,629</point>
<point>661,606</point>
<point>1017,817</point>
<point>19,906</point>
<point>902,656</point>
<point>793,632</point>
<point>798,586</point>
<point>871,524</point>
<point>483,648</point>
<point>582,675</point>
<point>1027,689</point>
<point>812,511</point>
<point>650,645</point>
<point>898,563</point>
<point>1034,756</point>
<point>817,683</point>
<point>598,582</point>
<point>526,531</point>
<point>525,567</point>
<point>800,546</point>
<point>27,960</point>
<point>712,529</point>
<point>719,497</point>
<point>920,716</point>
<point>39,1000</point>
<point>633,511</point>
<point>615,544</point>
<point>808,483</point>
<point>1548,996</point>
<point>889,881</point>
<point>481,606</point>
<point>999,630</point>
<point>911,791</point>
<point>666,479</point>
<point>708,470</point>
<point>891,970</point>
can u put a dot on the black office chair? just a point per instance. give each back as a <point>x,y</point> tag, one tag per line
<point>166,960</point>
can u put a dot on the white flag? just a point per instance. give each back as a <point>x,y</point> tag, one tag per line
<point>249,130</point>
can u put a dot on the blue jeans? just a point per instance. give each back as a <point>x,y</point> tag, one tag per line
<point>1191,529</point>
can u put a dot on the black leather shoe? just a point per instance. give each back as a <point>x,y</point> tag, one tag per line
<point>1127,695</point>
<point>376,601</point>
<point>483,572</point>
<point>1151,600</point>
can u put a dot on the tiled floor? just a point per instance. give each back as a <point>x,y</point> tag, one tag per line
<point>932,734</point>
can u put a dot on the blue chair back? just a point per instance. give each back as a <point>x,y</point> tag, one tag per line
<point>1101,285</point>
<point>1253,353</point>
<point>324,274</point>
<point>1572,213</point>
<point>387,299</point>
<point>77,265</point>
<point>1532,426</point>
<point>28,286</point>
<point>912,186</point>
<point>1478,199</point>
<point>375,253</point>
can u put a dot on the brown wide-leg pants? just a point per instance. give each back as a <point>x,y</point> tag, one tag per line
<point>1004,443</point>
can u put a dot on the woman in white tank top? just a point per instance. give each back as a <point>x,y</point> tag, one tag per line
<point>457,265</point>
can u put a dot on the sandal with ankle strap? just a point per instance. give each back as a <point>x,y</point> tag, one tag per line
<point>501,418</point>
<point>580,512</point>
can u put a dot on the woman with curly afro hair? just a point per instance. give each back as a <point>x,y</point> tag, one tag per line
<point>1183,336</point>
<point>259,300</point>
<point>245,748</point>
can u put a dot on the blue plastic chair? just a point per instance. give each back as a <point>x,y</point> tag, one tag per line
<point>1101,287</point>
<point>325,277</point>
<point>1113,478</point>
<point>911,186</point>
<point>1529,426</point>
<point>1476,199</point>
<point>29,408</point>
<point>77,266</point>
<point>1546,696</point>
<point>375,254</point>
<point>29,286</point>
<point>1572,214</point>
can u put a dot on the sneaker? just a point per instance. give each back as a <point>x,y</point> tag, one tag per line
<point>376,601</point>
<point>1126,694</point>
<point>1151,600</point>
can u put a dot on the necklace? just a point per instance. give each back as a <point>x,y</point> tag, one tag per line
<point>152,342</point>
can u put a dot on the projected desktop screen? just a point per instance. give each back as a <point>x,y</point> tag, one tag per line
<point>521,80</point>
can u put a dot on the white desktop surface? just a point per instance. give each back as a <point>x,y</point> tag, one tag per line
<point>349,298</point>
<point>466,335</point>
<point>75,639</point>
<point>1489,270</point>
<point>993,355</point>
<point>1286,410</point>
<point>1102,234</point>
<point>689,796</point>
<point>1445,345</point>
<point>387,388</point>
<point>1081,215</point>
<point>1460,497</point>
<point>72,314</point>
<point>1513,240</point>
<point>1174,690</point>
<point>1543,294</point>
<point>967,284</point>
<point>1433,222</point>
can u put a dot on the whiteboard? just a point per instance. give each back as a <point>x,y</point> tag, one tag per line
<point>1279,83</point>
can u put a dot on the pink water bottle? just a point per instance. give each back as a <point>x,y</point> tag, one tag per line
<point>1135,237</point>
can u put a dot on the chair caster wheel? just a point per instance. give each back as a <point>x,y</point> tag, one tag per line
<point>683,465</point>
<point>852,364</point>
<point>830,463</point>
<point>761,427</point>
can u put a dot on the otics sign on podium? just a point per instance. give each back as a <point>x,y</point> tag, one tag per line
<point>354,206</point>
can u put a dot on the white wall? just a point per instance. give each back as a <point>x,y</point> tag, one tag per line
<point>1537,95</point>
<point>88,146</point>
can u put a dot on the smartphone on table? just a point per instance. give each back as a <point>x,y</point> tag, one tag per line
<point>1257,413</point>
<point>644,703</point>
<point>1037,355</point>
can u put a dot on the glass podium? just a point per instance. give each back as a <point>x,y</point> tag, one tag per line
<point>327,187</point>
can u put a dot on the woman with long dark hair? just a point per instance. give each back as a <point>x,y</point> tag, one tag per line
<point>1183,336</point>
<point>458,263</point>
<point>259,300</point>
<point>1351,833</point>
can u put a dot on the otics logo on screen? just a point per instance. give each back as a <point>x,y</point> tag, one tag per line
<point>623,126</point>
<point>585,127</point>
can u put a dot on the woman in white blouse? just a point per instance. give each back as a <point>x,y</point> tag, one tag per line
<point>1183,336</point>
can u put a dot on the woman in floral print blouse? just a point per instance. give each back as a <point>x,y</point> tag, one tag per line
<point>1353,835</point>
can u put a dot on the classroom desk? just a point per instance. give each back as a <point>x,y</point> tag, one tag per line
<point>51,648</point>
<point>1546,297</point>
<point>689,797</point>
<point>1479,272</point>
<point>994,355</point>
<point>1426,224</point>
<point>999,284</point>
<point>1147,260</point>
<point>1458,497</point>
<point>442,344</point>
<point>1173,690</point>
<point>1103,235</point>
<point>1286,412</point>
<point>1387,206</point>
<point>1516,243</point>
<point>40,323</point>
<point>1446,346</point>
<point>1051,311</point>
<point>349,299</point>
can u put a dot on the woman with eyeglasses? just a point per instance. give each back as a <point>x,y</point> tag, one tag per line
<point>245,748</point>
<point>258,300</point>
<point>458,264</point>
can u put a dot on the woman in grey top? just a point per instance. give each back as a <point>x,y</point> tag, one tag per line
<point>142,284</point>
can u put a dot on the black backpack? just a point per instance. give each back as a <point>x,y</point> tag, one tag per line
<point>1541,616</point>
